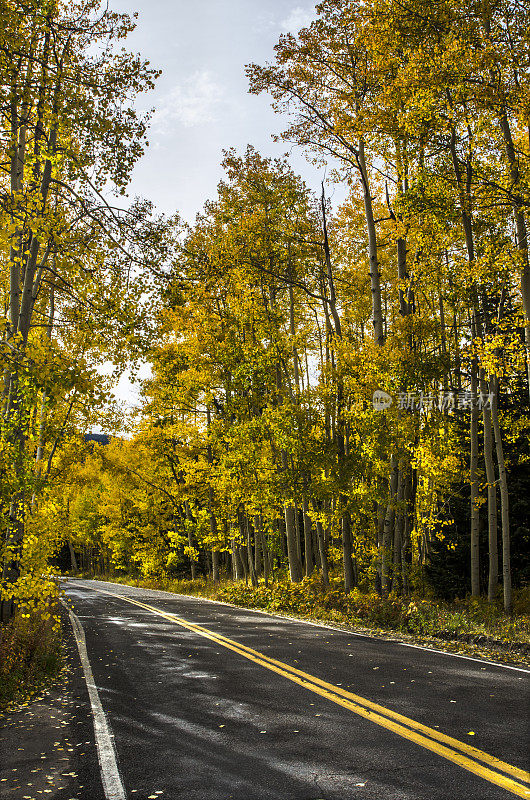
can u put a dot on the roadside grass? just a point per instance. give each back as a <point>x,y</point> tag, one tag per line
<point>473,618</point>
<point>30,655</point>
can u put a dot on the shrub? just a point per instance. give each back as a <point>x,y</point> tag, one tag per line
<point>421,617</point>
<point>30,654</point>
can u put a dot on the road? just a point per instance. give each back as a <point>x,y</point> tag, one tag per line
<point>209,702</point>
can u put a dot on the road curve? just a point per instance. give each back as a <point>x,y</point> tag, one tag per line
<point>205,702</point>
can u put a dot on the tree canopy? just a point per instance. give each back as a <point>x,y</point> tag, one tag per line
<point>333,390</point>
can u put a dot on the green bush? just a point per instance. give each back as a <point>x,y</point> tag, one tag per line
<point>421,617</point>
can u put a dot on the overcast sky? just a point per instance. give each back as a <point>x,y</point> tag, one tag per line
<point>201,101</point>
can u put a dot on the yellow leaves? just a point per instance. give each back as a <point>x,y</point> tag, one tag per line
<point>191,552</point>
<point>501,353</point>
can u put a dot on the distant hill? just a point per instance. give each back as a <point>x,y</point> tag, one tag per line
<point>99,438</point>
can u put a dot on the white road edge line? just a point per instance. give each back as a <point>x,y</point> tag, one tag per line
<point>307,622</point>
<point>108,763</point>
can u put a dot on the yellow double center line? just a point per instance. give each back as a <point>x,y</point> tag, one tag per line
<point>470,758</point>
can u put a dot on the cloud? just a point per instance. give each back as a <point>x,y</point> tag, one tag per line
<point>193,102</point>
<point>299,17</point>
<point>265,20</point>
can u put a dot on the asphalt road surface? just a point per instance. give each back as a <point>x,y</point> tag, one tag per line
<point>203,701</point>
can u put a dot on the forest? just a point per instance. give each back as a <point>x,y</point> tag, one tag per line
<point>338,394</point>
